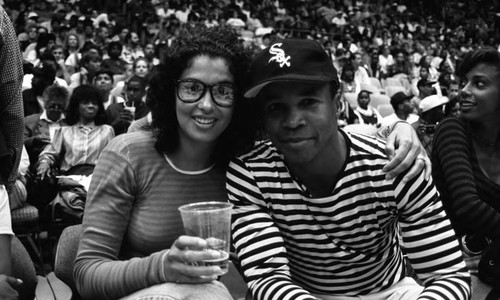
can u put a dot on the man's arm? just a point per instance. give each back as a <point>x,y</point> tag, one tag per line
<point>258,242</point>
<point>430,241</point>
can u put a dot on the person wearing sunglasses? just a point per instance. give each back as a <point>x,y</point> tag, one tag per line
<point>39,128</point>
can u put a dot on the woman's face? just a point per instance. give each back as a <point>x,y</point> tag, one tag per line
<point>72,41</point>
<point>204,121</point>
<point>87,111</point>
<point>141,68</point>
<point>58,53</point>
<point>480,97</point>
<point>424,73</point>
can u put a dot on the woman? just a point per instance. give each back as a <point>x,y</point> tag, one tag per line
<point>466,154</point>
<point>193,141</point>
<point>73,55</point>
<point>132,244</point>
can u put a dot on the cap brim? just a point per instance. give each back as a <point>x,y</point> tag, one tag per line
<point>252,92</point>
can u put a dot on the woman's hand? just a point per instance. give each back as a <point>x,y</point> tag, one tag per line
<point>405,150</point>
<point>182,263</point>
<point>43,169</point>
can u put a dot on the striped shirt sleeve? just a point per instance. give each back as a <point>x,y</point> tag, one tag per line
<point>430,241</point>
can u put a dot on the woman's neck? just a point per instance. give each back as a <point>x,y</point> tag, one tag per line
<point>193,156</point>
<point>486,132</point>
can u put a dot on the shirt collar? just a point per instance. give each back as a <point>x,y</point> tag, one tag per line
<point>90,125</point>
<point>44,117</point>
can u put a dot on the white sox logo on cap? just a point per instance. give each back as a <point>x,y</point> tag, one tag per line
<point>279,55</point>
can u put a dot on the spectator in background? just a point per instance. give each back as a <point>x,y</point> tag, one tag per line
<point>150,54</point>
<point>43,76</point>
<point>103,81</point>
<point>452,108</point>
<point>120,115</point>
<point>132,48</point>
<point>114,62</point>
<point>44,59</point>
<point>39,128</point>
<point>403,110</point>
<point>431,113</point>
<point>19,194</point>
<point>89,65</point>
<point>348,80</point>
<point>425,88</point>
<point>61,69</point>
<point>73,55</point>
<point>366,113</point>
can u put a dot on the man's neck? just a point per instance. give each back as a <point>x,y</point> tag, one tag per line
<point>402,115</point>
<point>320,175</point>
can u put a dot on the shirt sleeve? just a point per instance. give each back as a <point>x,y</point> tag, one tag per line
<point>99,272</point>
<point>258,242</point>
<point>430,241</point>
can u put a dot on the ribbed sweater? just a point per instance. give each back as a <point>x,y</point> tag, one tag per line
<point>471,199</point>
<point>131,216</point>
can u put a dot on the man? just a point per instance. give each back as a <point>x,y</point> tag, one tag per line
<point>425,88</point>
<point>314,215</point>
<point>114,63</point>
<point>104,81</point>
<point>43,76</point>
<point>11,142</point>
<point>39,129</point>
<point>431,113</point>
<point>403,110</point>
<point>120,115</point>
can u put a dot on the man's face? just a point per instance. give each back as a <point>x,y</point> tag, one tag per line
<point>426,90</point>
<point>104,82</point>
<point>300,119</point>
<point>135,91</point>
<point>54,108</point>
<point>453,90</point>
<point>149,50</point>
<point>406,106</point>
<point>357,60</point>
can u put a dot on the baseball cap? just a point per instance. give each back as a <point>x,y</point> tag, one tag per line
<point>399,97</point>
<point>422,82</point>
<point>431,102</point>
<point>32,14</point>
<point>291,60</point>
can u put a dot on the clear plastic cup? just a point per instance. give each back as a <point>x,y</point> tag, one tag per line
<point>210,221</point>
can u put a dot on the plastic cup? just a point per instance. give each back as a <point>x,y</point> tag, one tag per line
<point>210,221</point>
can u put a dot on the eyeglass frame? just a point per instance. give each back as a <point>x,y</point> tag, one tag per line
<point>205,87</point>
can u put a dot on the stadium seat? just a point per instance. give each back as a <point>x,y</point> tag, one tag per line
<point>392,89</point>
<point>385,109</point>
<point>379,99</point>
<point>352,99</point>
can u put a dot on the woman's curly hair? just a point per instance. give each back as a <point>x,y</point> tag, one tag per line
<point>216,42</point>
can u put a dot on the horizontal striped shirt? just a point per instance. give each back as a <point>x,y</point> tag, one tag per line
<point>77,145</point>
<point>290,244</point>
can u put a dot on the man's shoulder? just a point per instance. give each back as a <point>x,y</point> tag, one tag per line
<point>33,118</point>
<point>362,145</point>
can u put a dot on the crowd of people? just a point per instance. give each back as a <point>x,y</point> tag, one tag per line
<point>134,108</point>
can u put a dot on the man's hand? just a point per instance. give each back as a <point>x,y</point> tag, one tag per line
<point>126,116</point>
<point>7,287</point>
<point>43,169</point>
<point>182,261</point>
<point>405,150</point>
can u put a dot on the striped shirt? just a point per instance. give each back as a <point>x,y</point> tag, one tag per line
<point>77,145</point>
<point>471,198</point>
<point>291,245</point>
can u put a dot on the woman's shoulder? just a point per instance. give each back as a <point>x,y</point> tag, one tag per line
<point>452,122</point>
<point>136,142</point>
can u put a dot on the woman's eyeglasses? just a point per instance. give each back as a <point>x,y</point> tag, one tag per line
<point>192,90</point>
